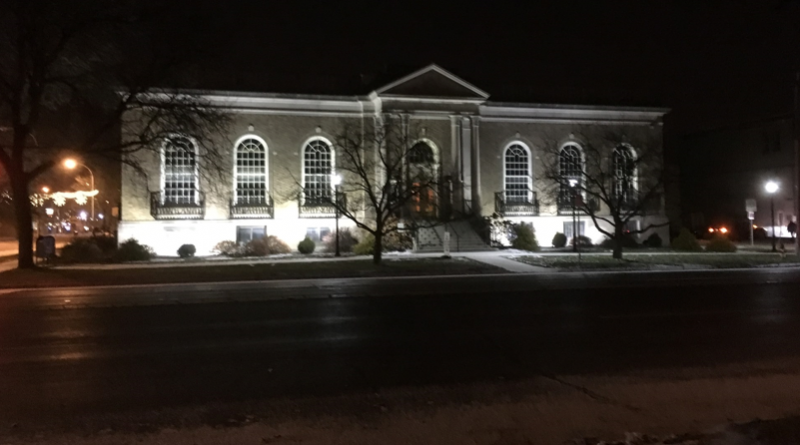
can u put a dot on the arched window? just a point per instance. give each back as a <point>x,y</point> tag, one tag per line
<point>251,171</point>
<point>570,166</point>
<point>624,167</point>
<point>420,153</point>
<point>317,170</point>
<point>180,171</point>
<point>517,168</point>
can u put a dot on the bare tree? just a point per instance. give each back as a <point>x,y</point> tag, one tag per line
<point>388,177</point>
<point>611,176</point>
<point>72,75</point>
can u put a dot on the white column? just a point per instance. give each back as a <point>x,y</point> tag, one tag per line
<point>466,164</point>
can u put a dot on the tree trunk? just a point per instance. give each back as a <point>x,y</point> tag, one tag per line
<point>22,210</point>
<point>618,241</point>
<point>377,251</point>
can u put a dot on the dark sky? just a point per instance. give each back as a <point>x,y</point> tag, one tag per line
<point>711,61</point>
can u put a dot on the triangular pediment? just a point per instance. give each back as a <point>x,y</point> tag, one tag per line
<point>432,82</point>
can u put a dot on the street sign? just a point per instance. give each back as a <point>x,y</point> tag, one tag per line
<point>751,216</point>
<point>750,205</point>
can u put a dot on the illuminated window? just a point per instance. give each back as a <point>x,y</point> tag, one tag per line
<point>570,165</point>
<point>180,171</point>
<point>517,173</point>
<point>251,172</point>
<point>317,170</point>
<point>624,167</point>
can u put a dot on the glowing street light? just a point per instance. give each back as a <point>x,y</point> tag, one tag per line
<point>772,187</point>
<point>70,164</point>
<point>45,189</point>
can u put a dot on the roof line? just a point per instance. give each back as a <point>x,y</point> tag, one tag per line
<point>440,70</point>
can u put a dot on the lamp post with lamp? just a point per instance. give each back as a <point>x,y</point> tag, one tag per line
<point>70,164</point>
<point>772,187</point>
<point>337,181</point>
<point>572,184</point>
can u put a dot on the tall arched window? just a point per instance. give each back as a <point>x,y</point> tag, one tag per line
<point>517,168</point>
<point>624,167</point>
<point>179,160</point>
<point>251,171</point>
<point>317,170</point>
<point>570,165</point>
<point>420,153</point>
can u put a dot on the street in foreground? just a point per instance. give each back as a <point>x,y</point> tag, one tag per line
<point>487,359</point>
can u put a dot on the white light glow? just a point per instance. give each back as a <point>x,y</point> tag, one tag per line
<point>336,180</point>
<point>771,187</point>
<point>83,215</point>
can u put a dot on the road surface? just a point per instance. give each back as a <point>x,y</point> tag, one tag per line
<point>72,354</point>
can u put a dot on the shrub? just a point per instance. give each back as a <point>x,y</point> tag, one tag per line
<point>227,248</point>
<point>306,246</point>
<point>524,237</point>
<point>82,250</point>
<point>397,242</point>
<point>653,241</point>
<point>131,250</point>
<point>560,240</point>
<point>628,242</point>
<point>686,242</point>
<point>720,243</point>
<point>276,246</point>
<point>187,251</point>
<point>346,241</point>
<point>365,246</point>
<point>257,247</point>
<point>107,244</point>
<point>583,241</point>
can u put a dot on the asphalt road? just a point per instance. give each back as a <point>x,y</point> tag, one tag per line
<point>66,353</point>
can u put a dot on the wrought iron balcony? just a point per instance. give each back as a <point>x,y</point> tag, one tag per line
<point>163,206</point>
<point>253,207</point>
<point>319,206</point>
<point>516,206</point>
<point>566,202</point>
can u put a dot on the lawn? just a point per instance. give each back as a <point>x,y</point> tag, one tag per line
<point>242,272</point>
<point>639,261</point>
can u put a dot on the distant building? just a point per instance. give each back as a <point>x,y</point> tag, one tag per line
<point>724,167</point>
<point>488,151</point>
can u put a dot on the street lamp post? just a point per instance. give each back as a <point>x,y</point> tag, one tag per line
<point>572,184</point>
<point>771,187</point>
<point>70,164</point>
<point>337,180</point>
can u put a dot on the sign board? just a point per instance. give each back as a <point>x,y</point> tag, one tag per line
<point>446,243</point>
<point>45,247</point>
<point>115,212</point>
<point>751,216</point>
<point>750,205</point>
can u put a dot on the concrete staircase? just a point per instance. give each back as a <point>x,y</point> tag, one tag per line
<point>462,238</point>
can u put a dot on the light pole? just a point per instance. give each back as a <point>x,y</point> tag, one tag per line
<point>337,181</point>
<point>572,184</point>
<point>70,164</point>
<point>771,187</point>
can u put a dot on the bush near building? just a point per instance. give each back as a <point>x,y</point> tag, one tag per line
<point>187,251</point>
<point>559,240</point>
<point>524,237</point>
<point>307,246</point>
<point>583,241</point>
<point>720,243</point>
<point>392,242</point>
<point>131,250</point>
<point>686,242</point>
<point>227,248</point>
<point>628,242</point>
<point>347,241</point>
<point>82,250</point>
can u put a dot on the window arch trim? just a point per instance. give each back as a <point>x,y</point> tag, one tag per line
<point>529,179</point>
<point>236,145</point>
<point>332,150</point>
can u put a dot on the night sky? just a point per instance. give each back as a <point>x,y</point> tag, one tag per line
<point>711,62</point>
